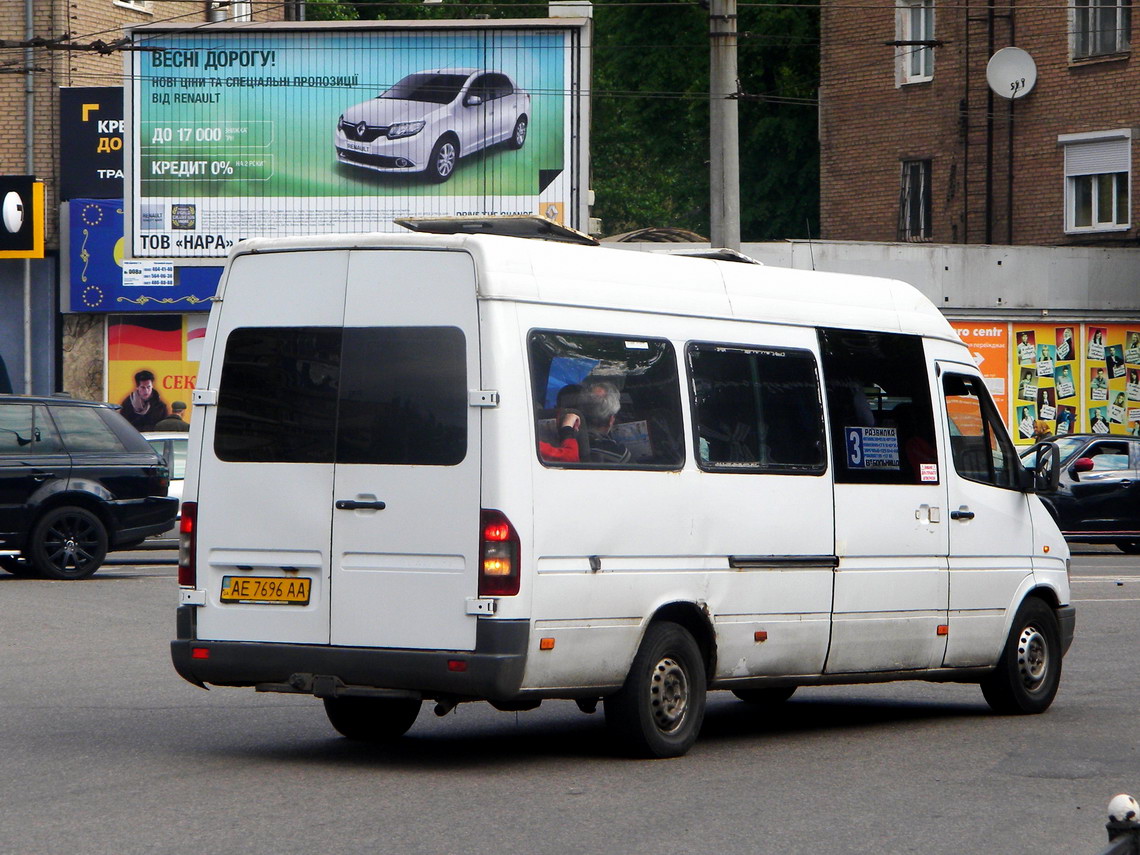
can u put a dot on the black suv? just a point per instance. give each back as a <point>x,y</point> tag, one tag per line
<point>76,480</point>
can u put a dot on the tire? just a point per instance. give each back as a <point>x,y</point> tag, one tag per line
<point>1029,671</point>
<point>518,136</point>
<point>375,720</point>
<point>1130,547</point>
<point>767,697</point>
<point>659,710</point>
<point>68,543</point>
<point>17,565</point>
<point>444,158</point>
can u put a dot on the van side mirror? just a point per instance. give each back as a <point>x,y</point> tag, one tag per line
<point>1045,474</point>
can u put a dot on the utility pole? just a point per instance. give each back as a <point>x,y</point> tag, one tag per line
<point>724,135</point>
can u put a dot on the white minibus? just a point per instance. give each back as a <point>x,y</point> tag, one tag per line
<point>470,467</point>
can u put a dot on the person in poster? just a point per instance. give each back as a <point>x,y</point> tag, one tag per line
<point>1026,347</point>
<point>1096,343</point>
<point>1116,411</point>
<point>1133,387</point>
<point>1114,359</point>
<point>1046,403</point>
<point>1025,421</point>
<point>144,407</point>
<point>1098,384</point>
<point>1132,352</point>
<point>1045,360</point>
<point>1097,421</point>
<point>1066,418</point>
<point>1027,384</point>
<point>1065,387</point>
<point>1066,349</point>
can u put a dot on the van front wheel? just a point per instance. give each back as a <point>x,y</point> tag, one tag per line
<point>1026,678</point>
<point>372,719</point>
<point>659,710</point>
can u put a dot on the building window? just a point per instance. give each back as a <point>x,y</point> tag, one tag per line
<point>137,5</point>
<point>1101,27</point>
<point>915,26</point>
<point>1097,181</point>
<point>914,201</point>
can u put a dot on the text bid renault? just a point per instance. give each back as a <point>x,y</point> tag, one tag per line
<point>430,119</point>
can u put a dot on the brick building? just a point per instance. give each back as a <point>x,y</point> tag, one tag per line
<point>45,46</point>
<point>915,146</point>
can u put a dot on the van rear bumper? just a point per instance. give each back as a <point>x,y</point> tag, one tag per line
<point>493,670</point>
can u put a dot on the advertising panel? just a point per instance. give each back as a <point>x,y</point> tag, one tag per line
<point>99,279</point>
<point>1047,373</point>
<point>294,131</point>
<point>1112,367</point>
<point>989,348</point>
<point>161,352</point>
<point>91,142</point>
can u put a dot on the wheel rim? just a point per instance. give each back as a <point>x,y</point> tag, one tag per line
<point>445,161</point>
<point>1032,658</point>
<point>668,694</point>
<point>71,543</point>
<point>520,133</point>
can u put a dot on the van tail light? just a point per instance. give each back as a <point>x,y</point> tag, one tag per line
<point>188,545</point>
<point>498,555</point>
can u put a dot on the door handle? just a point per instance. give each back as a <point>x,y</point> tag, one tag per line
<point>351,505</point>
<point>962,515</point>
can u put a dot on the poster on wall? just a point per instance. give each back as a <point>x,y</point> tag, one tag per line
<point>1046,362</point>
<point>240,133</point>
<point>152,362</point>
<point>989,349</point>
<point>1112,370</point>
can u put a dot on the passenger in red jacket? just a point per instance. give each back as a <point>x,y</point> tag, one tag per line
<point>569,427</point>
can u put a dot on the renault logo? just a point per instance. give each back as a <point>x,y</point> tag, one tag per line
<point>361,128</point>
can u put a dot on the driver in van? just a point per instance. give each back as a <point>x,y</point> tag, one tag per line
<point>600,405</point>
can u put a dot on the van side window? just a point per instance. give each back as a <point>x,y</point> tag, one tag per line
<point>979,445</point>
<point>756,409</point>
<point>625,390</point>
<point>879,410</point>
<point>369,395</point>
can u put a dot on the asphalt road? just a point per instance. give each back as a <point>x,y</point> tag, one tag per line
<point>104,749</point>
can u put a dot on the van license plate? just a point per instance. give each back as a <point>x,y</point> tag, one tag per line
<point>271,590</point>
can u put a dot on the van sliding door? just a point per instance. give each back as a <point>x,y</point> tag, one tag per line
<point>891,586</point>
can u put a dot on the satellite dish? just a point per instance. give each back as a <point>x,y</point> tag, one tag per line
<point>1011,73</point>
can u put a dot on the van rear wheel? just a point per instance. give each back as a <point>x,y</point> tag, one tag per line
<point>659,710</point>
<point>372,719</point>
<point>1029,672</point>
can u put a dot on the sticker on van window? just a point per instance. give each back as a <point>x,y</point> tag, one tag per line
<point>872,448</point>
<point>928,472</point>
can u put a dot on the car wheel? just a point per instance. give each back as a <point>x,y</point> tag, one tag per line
<point>659,710</point>
<point>1029,671</point>
<point>17,565</point>
<point>1131,547</point>
<point>444,157</point>
<point>518,135</point>
<point>767,697</point>
<point>68,543</point>
<point>372,719</point>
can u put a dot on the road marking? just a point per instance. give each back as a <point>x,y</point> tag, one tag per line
<point>1109,600</point>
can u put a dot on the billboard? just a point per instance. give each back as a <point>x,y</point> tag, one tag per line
<point>296,129</point>
<point>91,142</point>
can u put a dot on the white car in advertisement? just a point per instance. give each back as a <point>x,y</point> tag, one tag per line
<point>430,119</point>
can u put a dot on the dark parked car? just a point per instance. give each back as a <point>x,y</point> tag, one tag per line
<point>76,480</point>
<point>1098,497</point>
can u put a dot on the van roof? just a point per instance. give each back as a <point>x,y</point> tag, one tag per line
<point>539,271</point>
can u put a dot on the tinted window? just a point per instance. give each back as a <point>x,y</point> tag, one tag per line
<point>979,445</point>
<point>430,88</point>
<point>624,387</point>
<point>756,410</point>
<point>84,429</point>
<point>878,401</point>
<point>26,429</point>
<point>403,396</point>
<point>378,395</point>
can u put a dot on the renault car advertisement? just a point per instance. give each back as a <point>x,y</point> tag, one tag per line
<point>295,131</point>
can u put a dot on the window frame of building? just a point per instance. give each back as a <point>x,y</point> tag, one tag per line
<point>1097,165</point>
<point>914,22</point>
<point>914,224</point>
<point>136,5</point>
<point>1087,25</point>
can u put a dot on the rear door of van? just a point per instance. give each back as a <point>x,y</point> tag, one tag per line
<point>338,491</point>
